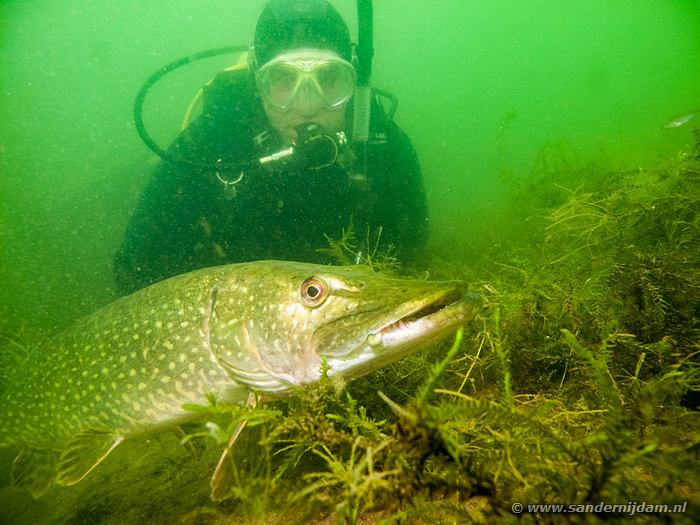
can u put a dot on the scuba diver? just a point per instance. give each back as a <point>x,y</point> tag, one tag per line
<point>270,169</point>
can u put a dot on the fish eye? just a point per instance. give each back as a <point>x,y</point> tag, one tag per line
<point>314,291</point>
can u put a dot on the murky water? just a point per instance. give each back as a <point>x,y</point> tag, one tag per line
<point>487,91</point>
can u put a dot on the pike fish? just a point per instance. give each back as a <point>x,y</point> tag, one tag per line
<point>263,327</point>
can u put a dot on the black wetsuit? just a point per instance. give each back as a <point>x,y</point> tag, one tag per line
<point>187,219</point>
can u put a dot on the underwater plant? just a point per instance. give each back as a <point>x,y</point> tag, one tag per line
<point>579,385</point>
<point>348,250</point>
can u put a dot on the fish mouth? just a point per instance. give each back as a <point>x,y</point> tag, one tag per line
<point>433,311</point>
<point>420,325</point>
<point>425,323</point>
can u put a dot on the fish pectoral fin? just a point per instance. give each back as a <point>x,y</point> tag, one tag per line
<point>222,480</point>
<point>85,451</point>
<point>34,470</point>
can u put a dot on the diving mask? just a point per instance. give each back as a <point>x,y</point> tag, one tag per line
<point>323,75</point>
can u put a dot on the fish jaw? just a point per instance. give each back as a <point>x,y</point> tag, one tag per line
<point>397,339</point>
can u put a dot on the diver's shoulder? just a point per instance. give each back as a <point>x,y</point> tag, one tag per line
<point>230,93</point>
<point>233,77</point>
<point>385,132</point>
<point>383,108</point>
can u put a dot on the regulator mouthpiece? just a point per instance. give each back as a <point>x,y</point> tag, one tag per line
<point>316,147</point>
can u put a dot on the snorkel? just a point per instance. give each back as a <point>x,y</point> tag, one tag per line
<point>315,148</point>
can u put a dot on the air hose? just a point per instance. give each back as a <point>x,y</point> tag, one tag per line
<point>155,77</point>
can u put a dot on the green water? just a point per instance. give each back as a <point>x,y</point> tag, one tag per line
<point>488,91</point>
<point>482,86</point>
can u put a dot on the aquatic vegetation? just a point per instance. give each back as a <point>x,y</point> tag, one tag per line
<point>578,384</point>
<point>349,250</point>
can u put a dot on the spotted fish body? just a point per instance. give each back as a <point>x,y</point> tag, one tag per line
<point>128,369</point>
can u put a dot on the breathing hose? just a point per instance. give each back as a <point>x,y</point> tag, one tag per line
<point>155,77</point>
